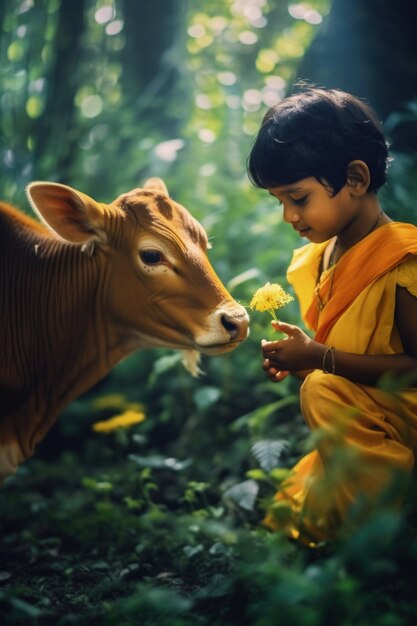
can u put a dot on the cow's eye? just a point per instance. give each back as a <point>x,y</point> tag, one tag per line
<point>151,257</point>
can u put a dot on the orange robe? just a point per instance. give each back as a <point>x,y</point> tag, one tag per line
<point>364,436</point>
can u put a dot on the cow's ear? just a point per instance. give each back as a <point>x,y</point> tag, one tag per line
<point>71,214</point>
<point>156,184</point>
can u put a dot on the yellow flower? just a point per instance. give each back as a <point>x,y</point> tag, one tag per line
<point>116,401</point>
<point>126,419</point>
<point>269,298</point>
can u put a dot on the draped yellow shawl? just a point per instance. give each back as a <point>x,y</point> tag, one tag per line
<point>360,266</point>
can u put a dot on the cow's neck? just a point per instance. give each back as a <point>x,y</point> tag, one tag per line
<point>66,343</point>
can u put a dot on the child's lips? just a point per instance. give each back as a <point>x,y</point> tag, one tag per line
<point>303,231</point>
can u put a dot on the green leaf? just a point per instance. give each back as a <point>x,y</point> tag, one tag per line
<point>165,363</point>
<point>257,474</point>
<point>268,452</point>
<point>132,503</point>
<point>206,396</point>
<point>191,551</point>
<point>243,494</point>
<point>95,485</point>
<point>257,417</point>
<point>26,609</point>
<point>157,461</point>
<point>279,474</point>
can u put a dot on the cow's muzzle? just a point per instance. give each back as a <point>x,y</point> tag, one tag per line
<point>227,326</point>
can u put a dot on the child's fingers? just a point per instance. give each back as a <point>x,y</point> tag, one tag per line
<point>273,373</point>
<point>288,329</point>
<point>276,375</point>
<point>269,347</point>
<point>269,368</point>
<point>281,375</point>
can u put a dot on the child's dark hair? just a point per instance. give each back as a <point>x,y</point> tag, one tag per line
<point>318,132</point>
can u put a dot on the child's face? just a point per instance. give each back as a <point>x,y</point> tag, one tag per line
<point>312,211</point>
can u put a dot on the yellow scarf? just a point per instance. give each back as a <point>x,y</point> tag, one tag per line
<point>370,258</point>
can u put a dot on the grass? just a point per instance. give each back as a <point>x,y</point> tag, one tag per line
<point>96,537</point>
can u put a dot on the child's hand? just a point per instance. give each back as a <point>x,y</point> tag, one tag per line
<point>272,373</point>
<point>294,353</point>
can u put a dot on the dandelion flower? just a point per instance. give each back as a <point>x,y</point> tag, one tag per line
<point>126,419</point>
<point>269,298</point>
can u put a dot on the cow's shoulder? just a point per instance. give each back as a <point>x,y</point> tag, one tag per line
<point>11,219</point>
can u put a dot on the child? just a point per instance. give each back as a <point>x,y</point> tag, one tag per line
<point>323,155</point>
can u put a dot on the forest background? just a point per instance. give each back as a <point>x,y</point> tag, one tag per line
<point>161,524</point>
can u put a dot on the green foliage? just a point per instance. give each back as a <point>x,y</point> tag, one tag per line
<point>268,452</point>
<point>73,552</point>
<point>161,524</point>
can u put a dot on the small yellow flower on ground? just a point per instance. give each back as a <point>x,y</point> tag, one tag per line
<point>269,298</point>
<point>126,419</point>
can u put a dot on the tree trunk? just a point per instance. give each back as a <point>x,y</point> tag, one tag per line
<point>54,127</point>
<point>369,49</point>
<point>152,60</point>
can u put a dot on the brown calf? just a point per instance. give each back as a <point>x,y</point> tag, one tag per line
<point>99,282</point>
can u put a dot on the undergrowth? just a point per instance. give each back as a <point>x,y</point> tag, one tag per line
<point>119,534</point>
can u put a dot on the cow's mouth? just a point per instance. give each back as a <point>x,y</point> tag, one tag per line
<point>218,348</point>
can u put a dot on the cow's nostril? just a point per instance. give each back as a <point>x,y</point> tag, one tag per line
<point>231,326</point>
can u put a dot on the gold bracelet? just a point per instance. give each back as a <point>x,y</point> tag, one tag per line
<point>328,351</point>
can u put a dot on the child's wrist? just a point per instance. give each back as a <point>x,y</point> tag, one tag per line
<point>318,356</point>
<point>328,363</point>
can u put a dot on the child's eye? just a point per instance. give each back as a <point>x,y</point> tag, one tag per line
<point>300,201</point>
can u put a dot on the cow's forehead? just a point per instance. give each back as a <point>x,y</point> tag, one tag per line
<point>154,207</point>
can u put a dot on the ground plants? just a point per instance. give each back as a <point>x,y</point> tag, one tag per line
<point>126,535</point>
<point>161,524</point>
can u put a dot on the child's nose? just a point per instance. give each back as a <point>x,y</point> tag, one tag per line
<point>290,215</point>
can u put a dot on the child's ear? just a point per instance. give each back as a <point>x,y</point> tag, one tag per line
<point>358,177</point>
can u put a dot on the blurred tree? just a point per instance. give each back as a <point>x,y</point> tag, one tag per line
<point>52,129</point>
<point>369,49</point>
<point>84,84</point>
<point>152,60</point>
